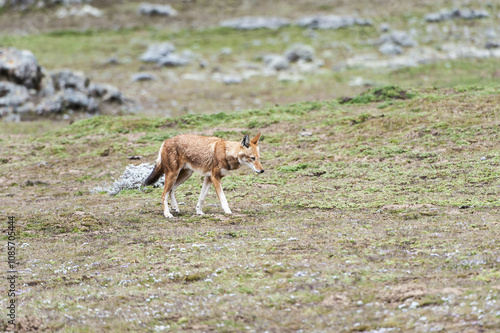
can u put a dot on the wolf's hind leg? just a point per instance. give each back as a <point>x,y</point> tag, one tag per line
<point>183,176</point>
<point>204,190</point>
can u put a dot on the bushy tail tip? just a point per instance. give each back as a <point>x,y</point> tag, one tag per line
<point>154,176</point>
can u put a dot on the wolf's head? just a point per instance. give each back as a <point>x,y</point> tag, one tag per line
<point>249,153</point>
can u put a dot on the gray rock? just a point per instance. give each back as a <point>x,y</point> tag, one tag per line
<point>67,79</point>
<point>255,22</point>
<point>21,67</point>
<point>492,44</point>
<point>442,15</point>
<point>471,14</point>
<point>78,101</point>
<point>490,33</point>
<point>63,91</point>
<point>390,48</point>
<point>401,38</point>
<point>465,13</point>
<point>157,51</point>
<point>359,81</point>
<point>112,61</point>
<point>232,79</point>
<point>67,2</point>
<point>106,93</point>
<point>143,76</point>
<point>13,95</point>
<point>225,51</point>
<point>276,61</point>
<point>51,105</point>
<point>173,60</point>
<point>4,112</point>
<point>300,52</point>
<point>85,10</point>
<point>46,88</point>
<point>132,178</point>
<point>156,10</point>
<point>331,22</point>
<point>384,27</point>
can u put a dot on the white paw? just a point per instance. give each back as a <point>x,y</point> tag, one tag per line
<point>168,215</point>
<point>177,211</point>
<point>227,212</point>
<point>199,212</point>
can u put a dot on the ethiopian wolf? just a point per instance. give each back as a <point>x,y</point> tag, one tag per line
<point>210,156</point>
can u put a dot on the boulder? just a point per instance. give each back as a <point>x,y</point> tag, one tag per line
<point>21,67</point>
<point>157,51</point>
<point>148,9</point>
<point>23,83</point>
<point>300,52</point>
<point>255,22</point>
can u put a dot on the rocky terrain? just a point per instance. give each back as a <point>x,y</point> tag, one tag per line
<point>28,90</point>
<point>281,53</point>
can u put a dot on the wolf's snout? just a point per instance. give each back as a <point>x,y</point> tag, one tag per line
<point>260,171</point>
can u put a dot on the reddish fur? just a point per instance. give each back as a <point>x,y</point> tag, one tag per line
<point>207,155</point>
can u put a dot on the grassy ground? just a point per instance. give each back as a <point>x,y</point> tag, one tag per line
<point>385,219</point>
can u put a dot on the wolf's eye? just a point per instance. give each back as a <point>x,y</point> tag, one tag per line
<point>253,158</point>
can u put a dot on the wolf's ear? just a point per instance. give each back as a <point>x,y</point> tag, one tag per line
<point>255,140</point>
<point>246,141</point>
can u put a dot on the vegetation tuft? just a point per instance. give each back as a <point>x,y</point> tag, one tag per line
<point>381,94</point>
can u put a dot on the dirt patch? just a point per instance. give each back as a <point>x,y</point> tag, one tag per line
<point>404,292</point>
<point>25,324</point>
<point>450,290</point>
<point>407,206</point>
<point>336,300</point>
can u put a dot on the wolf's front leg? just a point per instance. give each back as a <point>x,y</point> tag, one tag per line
<point>220,193</point>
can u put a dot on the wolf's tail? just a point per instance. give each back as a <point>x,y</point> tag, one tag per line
<point>157,171</point>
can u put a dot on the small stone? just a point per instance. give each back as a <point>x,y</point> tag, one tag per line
<point>300,52</point>
<point>255,22</point>
<point>390,49</point>
<point>384,27</point>
<point>276,61</point>
<point>143,76</point>
<point>157,51</point>
<point>231,79</point>
<point>156,10</point>
<point>414,305</point>
<point>173,60</point>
